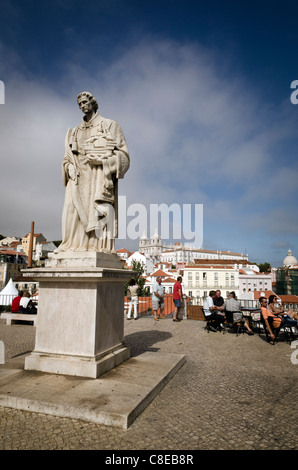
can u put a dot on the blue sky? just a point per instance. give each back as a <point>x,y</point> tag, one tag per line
<point>201,90</point>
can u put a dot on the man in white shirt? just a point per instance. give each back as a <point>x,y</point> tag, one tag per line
<point>212,313</point>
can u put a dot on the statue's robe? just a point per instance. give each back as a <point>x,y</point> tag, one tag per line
<point>90,212</point>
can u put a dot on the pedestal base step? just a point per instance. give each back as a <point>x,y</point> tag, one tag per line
<point>117,398</point>
<point>71,365</point>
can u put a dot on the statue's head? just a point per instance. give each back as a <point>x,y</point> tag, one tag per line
<point>86,94</point>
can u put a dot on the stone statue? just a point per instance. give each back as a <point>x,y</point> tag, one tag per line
<point>96,156</point>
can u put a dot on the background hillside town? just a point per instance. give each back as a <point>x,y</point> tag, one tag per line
<point>201,270</point>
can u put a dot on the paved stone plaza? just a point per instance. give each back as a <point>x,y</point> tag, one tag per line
<point>233,393</point>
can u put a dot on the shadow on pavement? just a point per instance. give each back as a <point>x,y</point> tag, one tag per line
<point>142,341</point>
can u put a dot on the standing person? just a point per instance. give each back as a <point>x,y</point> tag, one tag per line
<point>211,312</point>
<point>15,304</point>
<point>177,297</point>
<point>96,156</point>
<point>158,299</point>
<point>133,302</point>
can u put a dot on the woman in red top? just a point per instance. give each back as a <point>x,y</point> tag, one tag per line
<point>15,304</point>
<point>177,297</point>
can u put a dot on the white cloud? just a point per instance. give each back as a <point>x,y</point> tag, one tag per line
<point>193,136</point>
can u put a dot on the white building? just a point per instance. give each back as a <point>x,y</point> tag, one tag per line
<point>250,279</point>
<point>199,279</point>
<point>290,260</point>
<point>123,253</point>
<point>167,281</point>
<point>7,241</point>
<point>42,250</point>
<point>151,249</point>
<point>178,253</point>
<point>145,260</point>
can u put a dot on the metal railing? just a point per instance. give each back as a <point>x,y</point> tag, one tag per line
<point>145,305</point>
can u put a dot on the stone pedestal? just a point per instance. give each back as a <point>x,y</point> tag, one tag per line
<point>80,325</point>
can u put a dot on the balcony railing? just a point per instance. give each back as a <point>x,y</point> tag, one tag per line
<point>145,305</point>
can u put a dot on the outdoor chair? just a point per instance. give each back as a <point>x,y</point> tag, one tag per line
<point>256,321</point>
<point>240,326</point>
<point>236,325</point>
<point>289,332</point>
<point>210,323</point>
<point>275,331</point>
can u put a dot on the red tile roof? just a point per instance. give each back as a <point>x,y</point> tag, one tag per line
<point>169,279</point>
<point>160,273</point>
<point>222,261</point>
<point>289,299</point>
<point>262,293</point>
<point>11,252</point>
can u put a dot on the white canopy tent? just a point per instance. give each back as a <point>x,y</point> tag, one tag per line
<point>8,293</point>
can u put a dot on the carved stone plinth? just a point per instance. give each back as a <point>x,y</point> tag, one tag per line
<point>80,325</point>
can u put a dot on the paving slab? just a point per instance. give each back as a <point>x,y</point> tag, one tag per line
<point>116,398</point>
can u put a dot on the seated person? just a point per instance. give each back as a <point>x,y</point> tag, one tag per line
<point>232,309</point>
<point>218,301</point>
<point>277,309</point>
<point>26,304</point>
<point>211,312</point>
<point>15,304</point>
<point>271,320</point>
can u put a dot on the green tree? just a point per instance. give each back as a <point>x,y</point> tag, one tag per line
<point>139,269</point>
<point>264,267</point>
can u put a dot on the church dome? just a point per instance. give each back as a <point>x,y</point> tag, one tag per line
<point>290,260</point>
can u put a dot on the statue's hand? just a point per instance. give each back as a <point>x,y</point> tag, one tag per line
<point>72,171</point>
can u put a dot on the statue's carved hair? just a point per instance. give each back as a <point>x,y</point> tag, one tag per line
<point>90,98</point>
